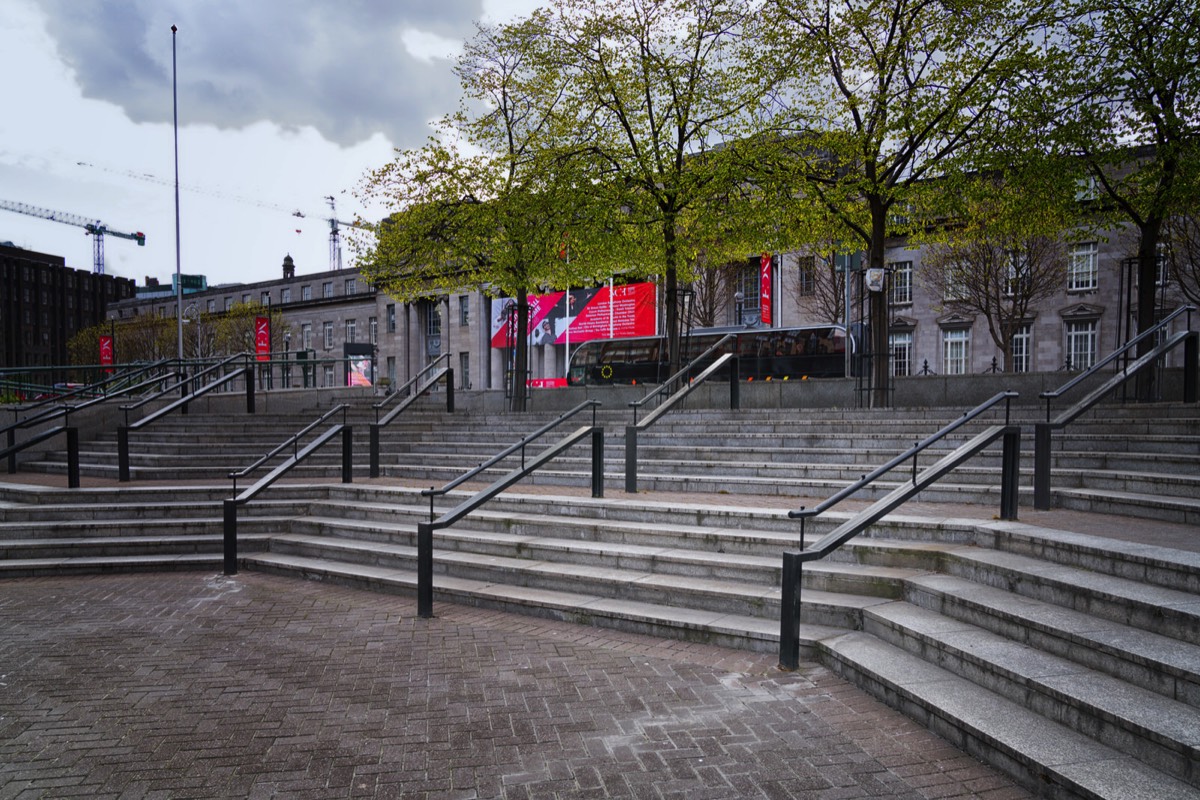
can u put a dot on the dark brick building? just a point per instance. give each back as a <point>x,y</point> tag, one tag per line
<point>43,303</point>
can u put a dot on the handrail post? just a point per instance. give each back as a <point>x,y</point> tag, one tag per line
<point>449,390</point>
<point>597,461</point>
<point>374,428</point>
<point>230,537</point>
<point>735,384</point>
<point>347,454</point>
<point>1009,473</point>
<point>425,570</point>
<point>72,458</point>
<point>1041,466</point>
<point>631,476</point>
<point>789,616</point>
<point>1191,357</point>
<point>123,453</point>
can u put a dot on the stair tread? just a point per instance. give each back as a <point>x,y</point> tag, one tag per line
<point>1034,741</point>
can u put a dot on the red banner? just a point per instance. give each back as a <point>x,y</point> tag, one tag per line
<point>106,351</point>
<point>764,289</point>
<point>582,315</point>
<point>262,338</point>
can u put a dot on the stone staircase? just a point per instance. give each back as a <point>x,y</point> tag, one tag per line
<point>1069,661</point>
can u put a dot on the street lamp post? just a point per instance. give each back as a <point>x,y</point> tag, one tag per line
<point>738,299</point>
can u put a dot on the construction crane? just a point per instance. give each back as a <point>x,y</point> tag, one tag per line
<point>94,228</point>
<point>335,237</point>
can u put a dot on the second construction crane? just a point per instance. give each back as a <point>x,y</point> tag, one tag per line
<point>94,228</point>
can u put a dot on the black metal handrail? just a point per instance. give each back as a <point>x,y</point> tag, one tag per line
<point>666,386</point>
<point>13,448</point>
<point>508,451</point>
<point>632,431</point>
<point>425,529</point>
<point>444,372</point>
<point>230,542</point>
<point>804,513</point>
<point>1162,324</point>
<point>183,383</point>
<point>789,625</point>
<point>98,390</point>
<point>1043,431</point>
<point>292,441</point>
<point>403,391</point>
<point>123,430</point>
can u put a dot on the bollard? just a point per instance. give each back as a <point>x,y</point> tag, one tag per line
<point>597,462</point>
<point>425,570</point>
<point>631,478</point>
<point>374,450</point>
<point>230,539</point>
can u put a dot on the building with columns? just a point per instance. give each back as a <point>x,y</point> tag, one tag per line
<point>324,311</point>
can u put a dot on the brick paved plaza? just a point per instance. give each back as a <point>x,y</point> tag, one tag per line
<point>194,685</point>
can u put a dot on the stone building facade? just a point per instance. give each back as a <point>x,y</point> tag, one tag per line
<point>323,311</point>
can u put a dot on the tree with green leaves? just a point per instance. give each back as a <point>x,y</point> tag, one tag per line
<point>481,204</point>
<point>1137,122</point>
<point>662,94</point>
<point>889,95</point>
<point>998,251</point>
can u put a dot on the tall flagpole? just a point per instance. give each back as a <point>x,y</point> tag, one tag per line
<point>178,276</point>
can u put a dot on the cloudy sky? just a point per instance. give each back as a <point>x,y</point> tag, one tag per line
<point>281,105</point>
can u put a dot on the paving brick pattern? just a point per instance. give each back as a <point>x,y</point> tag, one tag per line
<point>192,685</point>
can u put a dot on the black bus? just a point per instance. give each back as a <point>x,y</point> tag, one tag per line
<point>815,351</point>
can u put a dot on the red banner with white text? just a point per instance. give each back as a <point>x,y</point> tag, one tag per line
<point>764,289</point>
<point>583,314</point>
<point>106,351</point>
<point>262,338</point>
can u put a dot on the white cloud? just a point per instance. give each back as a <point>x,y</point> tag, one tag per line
<point>280,105</point>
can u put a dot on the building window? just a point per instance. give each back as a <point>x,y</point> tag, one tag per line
<point>1081,344</point>
<point>285,294</point>
<point>956,345</point>
<point>328,335</point>
<point>464,370</point>
<point>391,318</point>
<point>327,372</point>
<point>228,303</point>
<point>306,293</point>
<point>246,298</point>
<point>1085,189</point>
<point>464,310</point>
<point>327,289</point>
<point>1021,348</point>
<point>955,283</point>
<point>351,286</point>
<point>306,336</point>
<point>433,321</point>
<point>745,299</point>
<point>373,329</point>
<point>901,346</point>
<point>265,298</point>
<point>901,284</point>
<point>807,285</point>
<point>351,331</point>
<point>212,306</point>
<point>1019,279</point>
<point>1081,267</point>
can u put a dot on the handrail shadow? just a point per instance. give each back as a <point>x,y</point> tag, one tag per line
<point>182,403</point>
<point>230,543</point>
<point>1043,431</point>
<point>410,396</point>
<point>674,397</point>
<point>425,529</point>
<point>789,622</point>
